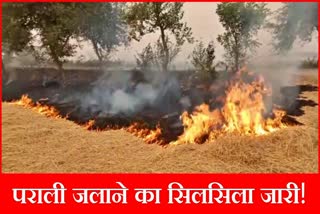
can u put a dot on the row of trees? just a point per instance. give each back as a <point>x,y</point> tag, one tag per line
<point>242,21</point>
<point>47,29</point>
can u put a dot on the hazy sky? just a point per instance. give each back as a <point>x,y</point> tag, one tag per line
<point>203,20</point>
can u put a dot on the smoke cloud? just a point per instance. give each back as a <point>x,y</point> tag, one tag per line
<point>127,92</point>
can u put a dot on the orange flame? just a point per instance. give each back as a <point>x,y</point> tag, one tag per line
<point>46,110</point>
<point>89,125</point>
<point>199,125</point>
<point>243,113</point>
<point>244,109</point>
<point>149,136</point>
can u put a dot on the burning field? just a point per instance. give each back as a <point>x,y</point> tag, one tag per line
<point>155,126</point>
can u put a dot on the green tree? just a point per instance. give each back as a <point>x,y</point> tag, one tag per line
<point>164,17</point>
<point>203,57</point>
<point>145,59</point>
<point>15,35</point>
<point>44,28</point>
<point>101,24</point>
<point>241,22</point>
<point>294,20</point>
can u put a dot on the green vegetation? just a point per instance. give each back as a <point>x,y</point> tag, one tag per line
<point>309,63</point>
<point>203,57</point>
<point>53,32</point>
<point>241,22</point>
<point>162,17</point>
<point>54,25</point>
<point>294,20</point>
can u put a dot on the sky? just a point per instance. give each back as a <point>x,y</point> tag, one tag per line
<point>203,20</point>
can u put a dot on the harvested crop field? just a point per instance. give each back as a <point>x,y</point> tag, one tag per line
<point>34,143</point>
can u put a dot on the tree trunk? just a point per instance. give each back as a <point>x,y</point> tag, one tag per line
<point>236,54</point>
<point>236,59</point>
<point>5,75</point>
<point>96,50</point>
<point>58,63</point>
<point>165,49</point>
<point>62,72</point>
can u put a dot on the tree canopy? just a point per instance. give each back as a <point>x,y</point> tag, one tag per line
<point>241,22</point>
<point>202,58</point>
<point>47,28</point>
<point>164,17</point>
<point>52,23</point>
<point>102,26</point>
<point>294,20</point>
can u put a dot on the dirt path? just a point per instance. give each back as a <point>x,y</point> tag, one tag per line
<point>33,143</point>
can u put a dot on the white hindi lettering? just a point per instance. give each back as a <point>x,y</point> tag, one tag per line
<point>290,194</point>
<point>177,193</point>
<point>215,193</point>
<point>40,195</point>
<point>147,195</point>
<point>101,195</point>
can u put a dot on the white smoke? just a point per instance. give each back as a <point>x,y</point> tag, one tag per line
<point>119,92</point>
